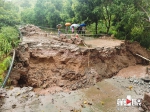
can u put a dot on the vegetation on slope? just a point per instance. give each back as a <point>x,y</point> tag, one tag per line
<point>8,34</point>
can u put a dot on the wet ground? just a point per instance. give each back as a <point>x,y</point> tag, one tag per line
<point>103,42</point>
<point>88,40</point>
<point>134,71</point>
<point>101,97</point>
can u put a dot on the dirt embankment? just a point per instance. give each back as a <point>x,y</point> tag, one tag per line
<point>44,62</point>
<point>66,65</point>
<point>31,30</point>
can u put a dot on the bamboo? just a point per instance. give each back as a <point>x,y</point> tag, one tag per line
<point>143,57</point>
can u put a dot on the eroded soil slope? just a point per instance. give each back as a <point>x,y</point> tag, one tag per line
<point>66,65</point>
<point>48,62</point>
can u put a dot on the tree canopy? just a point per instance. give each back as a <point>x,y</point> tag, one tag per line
<point>8,14</point>
<point>126,19</point>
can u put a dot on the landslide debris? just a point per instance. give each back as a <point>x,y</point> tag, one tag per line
<point>32,30</point>
<point>46,62</point>
<point>55,63</point>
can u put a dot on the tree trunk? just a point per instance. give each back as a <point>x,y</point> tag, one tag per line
<point>107,30</point>
<point>108,26</point>
<point>96,24</point>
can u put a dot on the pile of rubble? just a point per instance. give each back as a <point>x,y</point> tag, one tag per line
<point>140,87</point>
<point>146,102</point>
<point>2,96</point>
<point>69,66</point>
<point>74,39</point>
<point>31,30</point>
<point>17,97</point>
<point>61,62</point>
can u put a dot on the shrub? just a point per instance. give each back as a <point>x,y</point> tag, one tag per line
<point>8,40</point>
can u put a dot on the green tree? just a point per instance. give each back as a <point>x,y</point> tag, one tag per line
<point>26,4</point>
<point>53,12</point>
<point>126,18</point>
<point>131,20</point>
<point>67,13</point>
<point>107,14</point>
<point>28,16</point>
<point>40,14</point>
<point>88,11</point>
<point>8,14</point>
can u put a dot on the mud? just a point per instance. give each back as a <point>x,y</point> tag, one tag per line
<point>31,30</point>
<point>138,71</point>
<point>54,63</point>
<point>101,97</point>
<point>53,68</point>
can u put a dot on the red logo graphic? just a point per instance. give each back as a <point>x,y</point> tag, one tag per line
<point>128,101</point>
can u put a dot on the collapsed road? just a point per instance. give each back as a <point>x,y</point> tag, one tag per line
<point>46,61</point>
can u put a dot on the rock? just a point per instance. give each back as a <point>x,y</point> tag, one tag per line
<point>82,105</point>
<point>70,41</point>
<point>146,102</point>
<point>74,87</point>
<point>2,92</point>
<point>45,86</point>
<point>14,106</point>
<point>135,81</point>
<point>55,70</point>
<point>83,50</point>
<point>89,103</point>
<point>61,83</point>
<point>147,97</point>
<point>14,82</point>
<point>131,79</point>
<point>75,49</point>
<point>98,88</point>
<point>141,109</point>
<point>71,109</point>
<point>23,71</point>
<point>30,88</point>
<point>65,59</point>
<point>62,51</point>
<point>117,47</point>
<point>84,81</point>
<point>142,82</point>
<point>77,53</point>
